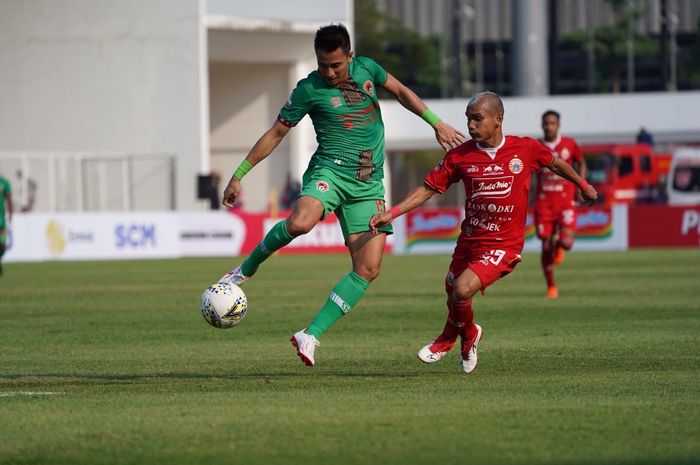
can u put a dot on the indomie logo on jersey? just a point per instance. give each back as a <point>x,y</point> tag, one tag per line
<point>492,187</point>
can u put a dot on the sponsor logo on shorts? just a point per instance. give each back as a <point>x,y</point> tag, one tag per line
<point>439,165</point>
<point>472,169</point>
<point>368,87</point>
<point>493,170</point>
<point>450,279</point>
<point>336,102</point>
<point>492,187</point>
<point>515,165</point>
<point>322,186</point>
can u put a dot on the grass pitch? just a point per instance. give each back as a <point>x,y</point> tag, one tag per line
<point>111,362</point>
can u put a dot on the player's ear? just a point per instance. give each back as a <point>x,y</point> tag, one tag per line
<point>350,55</point>
<point>499,120</point>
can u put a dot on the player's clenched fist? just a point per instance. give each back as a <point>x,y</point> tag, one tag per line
<point>231,192</point>
<point>589,194</point>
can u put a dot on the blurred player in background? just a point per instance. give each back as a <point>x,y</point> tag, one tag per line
<point>495,171</point>
<point>5,199</point>
<point>345,173</point>
<point>555,204</point>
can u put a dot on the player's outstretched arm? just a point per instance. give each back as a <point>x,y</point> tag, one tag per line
<point>447,136</point>
<point>262,148</point>
<point>414,199</point>
<point>564,170</point>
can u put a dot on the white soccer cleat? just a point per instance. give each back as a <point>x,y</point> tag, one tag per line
<point>435,351</point>
<point>306,346</point>
<point>469,356</point>
<point>234,276</point>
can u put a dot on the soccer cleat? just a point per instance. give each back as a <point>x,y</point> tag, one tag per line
<point>306,346</point>
<point>470,346</point>
<point>552,292</point>
<point>235,276</point>
<point>435,351</point>
<point>559,256</point>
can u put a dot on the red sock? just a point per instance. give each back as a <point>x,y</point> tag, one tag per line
<point>547,258</point>
<point>464,314</point>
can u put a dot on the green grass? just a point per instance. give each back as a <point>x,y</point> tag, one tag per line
<point>607,374</point>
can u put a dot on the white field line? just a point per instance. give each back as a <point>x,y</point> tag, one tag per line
<point>30,393</point>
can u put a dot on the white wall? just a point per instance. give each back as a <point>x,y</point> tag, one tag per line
<point>245,101</point>
<point>104,75</point>
<point>670,116</point>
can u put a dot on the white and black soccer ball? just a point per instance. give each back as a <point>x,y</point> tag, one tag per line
<point>224,305</point>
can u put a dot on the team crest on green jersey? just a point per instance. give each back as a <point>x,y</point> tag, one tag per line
<point>368,87</point>
<point>336,101</point>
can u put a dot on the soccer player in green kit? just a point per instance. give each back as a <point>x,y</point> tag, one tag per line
<point>345,173</point>
<point>5,198</point>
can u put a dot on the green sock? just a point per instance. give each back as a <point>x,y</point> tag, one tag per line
<point>344,296</point>
<point>277,238</point>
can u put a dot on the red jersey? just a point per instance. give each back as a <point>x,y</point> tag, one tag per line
<point>497,186</point>
<point>552,189</point>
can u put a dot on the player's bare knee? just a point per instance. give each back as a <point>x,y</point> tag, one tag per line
<point>369,273</point>
<point>463,292</point>
<point>298,225</point>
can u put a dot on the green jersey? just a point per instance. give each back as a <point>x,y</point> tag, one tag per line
<point>5,191</point>
<point>346,118</point>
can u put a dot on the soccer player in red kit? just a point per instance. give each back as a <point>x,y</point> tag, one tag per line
<point>495,171</point>
<point>555,205</point>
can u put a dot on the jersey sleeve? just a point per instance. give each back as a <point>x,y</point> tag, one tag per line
<point>375,70</point>
<point>443,175</point>
<point>540,155</point>
<point>297,106</point>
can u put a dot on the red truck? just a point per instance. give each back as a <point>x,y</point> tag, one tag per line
<point>626,173</point>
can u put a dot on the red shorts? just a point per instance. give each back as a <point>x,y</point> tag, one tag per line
<point>548,219</point>
<point>489,265</point>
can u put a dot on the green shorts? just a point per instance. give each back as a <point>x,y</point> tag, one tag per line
<point>354,202</point>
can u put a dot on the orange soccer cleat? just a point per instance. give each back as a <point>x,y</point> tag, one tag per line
<point>559,256</point>
<point>552,292</point>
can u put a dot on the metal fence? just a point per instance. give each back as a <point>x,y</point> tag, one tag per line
<point>89,181</point>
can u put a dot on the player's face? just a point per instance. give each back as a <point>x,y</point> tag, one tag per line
<point>333,66</point>
<point>482,123</point>
<point>550,127</point>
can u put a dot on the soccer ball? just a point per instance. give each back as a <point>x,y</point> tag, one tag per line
<point>224,305</point>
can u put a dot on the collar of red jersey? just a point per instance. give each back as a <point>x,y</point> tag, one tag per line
<point>491,151</point>
<point>552,144</point>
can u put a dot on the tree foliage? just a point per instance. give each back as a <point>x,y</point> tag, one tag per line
<point>404,53</point>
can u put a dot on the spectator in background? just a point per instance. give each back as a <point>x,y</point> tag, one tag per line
<point>290,193</point>
<point>645,137</point>
<point>5,199</point>
<point>31,192</point>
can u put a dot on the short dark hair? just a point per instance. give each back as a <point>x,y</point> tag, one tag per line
<point>551,113</point>
<point>332,37</point>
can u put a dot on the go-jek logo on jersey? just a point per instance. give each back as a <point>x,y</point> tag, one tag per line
<point>492,187</point>
<point>322,186</point>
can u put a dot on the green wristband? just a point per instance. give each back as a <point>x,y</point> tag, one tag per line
<point>430,117</point>
<point>242,170</point>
